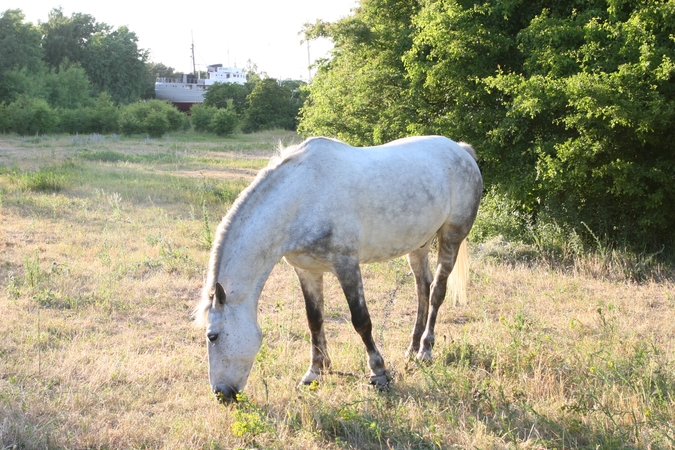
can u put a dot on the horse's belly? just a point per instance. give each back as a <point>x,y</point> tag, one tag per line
<point>400,237</point>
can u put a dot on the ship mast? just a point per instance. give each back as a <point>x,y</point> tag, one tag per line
<point>194,65</point>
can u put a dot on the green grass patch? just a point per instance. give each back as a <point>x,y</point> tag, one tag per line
<point>46,179</point>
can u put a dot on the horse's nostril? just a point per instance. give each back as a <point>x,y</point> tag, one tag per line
<point>212,336</point>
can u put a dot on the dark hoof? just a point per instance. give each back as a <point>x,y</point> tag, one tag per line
<point>381,382</point>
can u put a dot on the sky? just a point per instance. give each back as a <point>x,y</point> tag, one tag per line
<point>225,32</point>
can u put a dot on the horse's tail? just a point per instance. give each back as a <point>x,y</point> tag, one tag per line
<point>459,277</point>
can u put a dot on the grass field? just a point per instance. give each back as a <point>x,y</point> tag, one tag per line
<point>103,246</point>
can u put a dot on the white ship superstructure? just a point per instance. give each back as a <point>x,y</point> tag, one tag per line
<point>185,92</point>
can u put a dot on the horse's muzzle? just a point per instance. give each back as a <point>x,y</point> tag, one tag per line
<point>226,395</point>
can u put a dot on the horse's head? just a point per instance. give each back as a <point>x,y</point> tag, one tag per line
<point>233,340</point>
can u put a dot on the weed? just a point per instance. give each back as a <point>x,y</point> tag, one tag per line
<point>34,274</point>
<point>115,202</point>
<point>13,286</point>
<point>207,232</point>
<point>249,420</point>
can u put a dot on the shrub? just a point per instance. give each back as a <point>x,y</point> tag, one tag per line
<point>202,116</point>
<point>106,115</point>
<point>499,216</point>
<point>224,122</point>
<point>78,120</point>
<point>4,119</point>
<point>154,117</point>
<point>156,124</point>
<point>30,116</point>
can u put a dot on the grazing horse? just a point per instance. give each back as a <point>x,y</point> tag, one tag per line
<point>325,206</point>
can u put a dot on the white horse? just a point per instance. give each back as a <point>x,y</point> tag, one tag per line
<point>325,206</point>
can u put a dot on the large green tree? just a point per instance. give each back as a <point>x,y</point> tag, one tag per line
<point>20,52</point>
<point>116,65</point>
<point>220,95</point>
<point>360,94</point>
<point>269,106</point>
<point>66,38</point>
<point>110,57</point>
<point>570,105</point>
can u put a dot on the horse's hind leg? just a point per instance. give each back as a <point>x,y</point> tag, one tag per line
<point>449,240</point>
<point>419,264</point>
<point>348,274</point>
<point>312,289</point>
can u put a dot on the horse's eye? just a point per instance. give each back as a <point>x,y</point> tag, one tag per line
<point>212,336</point>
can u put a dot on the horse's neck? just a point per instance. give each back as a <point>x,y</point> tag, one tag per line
<point>253,242</point>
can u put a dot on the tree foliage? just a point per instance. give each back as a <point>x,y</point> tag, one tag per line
<point>67,38</point>
<point>570,104</point>
<point>219,95</point>
<point>19,43</point>
<point>270,105</point>
<point>20,54</point>
<point>116,65</point>
<point>360,94</point>
<point>109,58</point>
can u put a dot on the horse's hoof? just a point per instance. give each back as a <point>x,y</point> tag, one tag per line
<point>424,356</point>
<point>411,353</point>
<point>382,382</point>
<point>309,377</point>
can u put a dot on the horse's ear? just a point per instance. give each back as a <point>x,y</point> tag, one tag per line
<point>219,295</point>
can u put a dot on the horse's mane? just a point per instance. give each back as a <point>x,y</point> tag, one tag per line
<point>259,184</point>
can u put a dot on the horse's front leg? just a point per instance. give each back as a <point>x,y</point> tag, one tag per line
<point>348,274</point>
<point>312,289</point>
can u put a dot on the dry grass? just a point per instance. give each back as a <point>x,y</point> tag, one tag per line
<point>101,266</point>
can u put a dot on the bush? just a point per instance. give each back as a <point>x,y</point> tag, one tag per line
<point>28,116</point>
<point>156,124</point>
<point>154,117</point>
<point>499,216</point>
<point>202,116</point>
<point>224,122</point>
<point>4,119</point>
<point>76,120</point>
<point>106,115</point>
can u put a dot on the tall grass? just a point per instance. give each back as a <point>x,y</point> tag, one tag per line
<point>505,234</point>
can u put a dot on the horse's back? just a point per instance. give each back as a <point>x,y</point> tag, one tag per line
<point>411,173</point>
<point>387,200</point>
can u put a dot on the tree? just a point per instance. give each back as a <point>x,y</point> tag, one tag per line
<point>67,38</point>
<point>20,51</point>
<point>220,94</point>
<point>570,105</point>
<point>16,83</point>
<point>116,65</point>
<point>268,106</point>
<point>68,87</point>
<point>360,94</point>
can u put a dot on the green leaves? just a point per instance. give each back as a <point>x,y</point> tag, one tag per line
<point>570,106</point>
